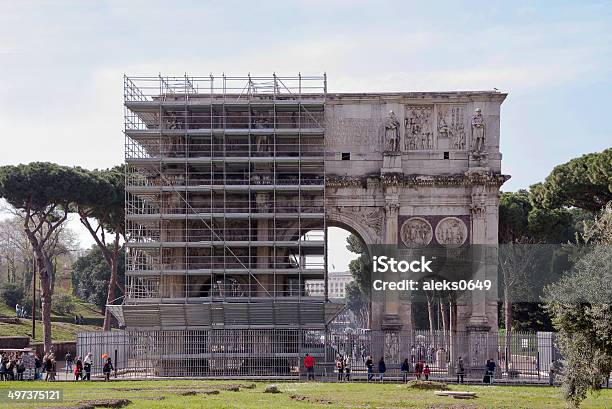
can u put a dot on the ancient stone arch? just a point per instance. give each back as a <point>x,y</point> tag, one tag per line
<point>404,169</point>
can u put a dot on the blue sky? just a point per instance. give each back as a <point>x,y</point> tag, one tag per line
<point>61,64</point>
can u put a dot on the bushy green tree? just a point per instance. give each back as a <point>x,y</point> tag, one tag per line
<point>91,275</point>
<point>106,216</point>
<point>584,182</point>
<point>581,308</point>
<point>358,292</point>
<point>12,293</point>
<point>44,194</point>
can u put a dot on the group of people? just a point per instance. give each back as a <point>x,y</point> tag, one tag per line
<point>420,370</point>
<point>28,365</point>
<point>79,320</point>
<point>20,311</point>
<point>343,366</point>
<point>12,366</point>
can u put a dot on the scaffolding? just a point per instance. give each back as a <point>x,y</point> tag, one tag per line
<point>225,193</point>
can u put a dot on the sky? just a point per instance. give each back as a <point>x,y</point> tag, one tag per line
<point>62,65</point>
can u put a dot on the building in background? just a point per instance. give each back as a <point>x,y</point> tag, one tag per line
<point>336,285</point>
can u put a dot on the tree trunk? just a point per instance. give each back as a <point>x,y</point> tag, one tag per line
<point>508,325</point>
<point>44,268</point>
<point>430,314</point>
<point>110,297</point>
<point>443,313</point>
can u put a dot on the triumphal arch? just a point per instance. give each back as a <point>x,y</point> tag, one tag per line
<point>232,183</point>
<point>417,169</point>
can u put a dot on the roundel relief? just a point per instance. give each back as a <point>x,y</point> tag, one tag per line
<point>451,232</point>
<point>416,232</point>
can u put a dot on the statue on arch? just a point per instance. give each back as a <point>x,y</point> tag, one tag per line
<point>392,132</point>
<point>478,131</point>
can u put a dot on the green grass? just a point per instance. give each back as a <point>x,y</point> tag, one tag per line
<point>324,395</point>
<point>87,310</point>
<point>60,331</point>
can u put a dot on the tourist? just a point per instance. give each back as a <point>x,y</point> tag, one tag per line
<point>53,367</point>
<point>340,367</point>
<point>106,370</point>
<point>309,364</point>
<point>418,370</point>
<point>460,370</point>
<point>18,310</point>
<point>405,368</point>
<point>370,365</point>
<point>347,368</point>
<point>20,367</point>
<point>47,367</point>
<point>10,370</point>
<point>78,369</point>
<point>382,368</point>
<point>413,354</point>
<point>37,366</point>
<point>87,366</point>
<point>426,372</point>
<point>68,359</point>
<point>489,371</point>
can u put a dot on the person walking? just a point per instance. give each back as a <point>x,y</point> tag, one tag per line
<point>405,368</point>
<point>370,365</point>
<point>20,368</point>
<point>78,369</point>
<point>37,366</point>
<point>426,372</point>
<point>340,367</point>
<point>47,367</point>
<point>309,364</point>
<point>68,359</point>
<point>489,372</point>
<point>87,366</point>
<point>382,368</point>
<point>418,370</point>
<point>106,370</point>
<point>347,368</point>
<point>460,370</point>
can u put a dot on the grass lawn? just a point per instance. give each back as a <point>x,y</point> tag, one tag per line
<point>167,394</point>
<point>61,331</point>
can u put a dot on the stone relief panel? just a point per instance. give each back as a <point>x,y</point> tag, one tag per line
<point>418,128</point>
<point>451,232</point>
<point>356,131</point>
<point>451,125</point>
<point>416,232</point>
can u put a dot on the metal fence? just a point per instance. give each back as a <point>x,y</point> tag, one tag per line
<point>278,354</point>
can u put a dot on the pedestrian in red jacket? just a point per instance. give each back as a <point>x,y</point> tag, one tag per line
<point>426,372</point>
<point>309,364</point>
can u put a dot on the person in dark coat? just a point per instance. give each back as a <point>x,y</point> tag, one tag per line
<point>382,368</point>
<point>370,365</point>
<point>460,370</point>
<point>489,371</point>
<point>106,370</point>
<point>405,368</point>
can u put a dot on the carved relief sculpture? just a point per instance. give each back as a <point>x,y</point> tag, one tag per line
<point>451,232</point>
<point>392,133</point>
<point>416,232</point>
<point>478,131</point>
<point>419,134</point>
<point>451,125</point>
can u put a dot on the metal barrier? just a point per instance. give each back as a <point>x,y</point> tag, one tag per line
<point>520,357</point>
